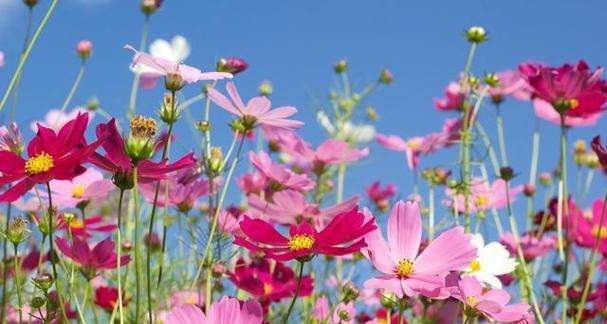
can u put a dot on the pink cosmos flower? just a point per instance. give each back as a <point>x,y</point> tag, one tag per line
<point>334,152</point>
<point>589,226</point>
<point>107,298</point>
<point>226,311</point>
<point>381,197</point>
<point>55,118</point>
<point>11,139</point>
<point>304,240</point>
<point>511,83</point>
<point>532,246</point>
<point>102,256</point>
<point>229,220</point>
<point>232,65</point>
<point>545,111</point>
<point>574,90</point>
<point>492,303</point>
<point>600,151</point>
<point>453,99</point>
<point>257,110</point>
<point>278,175</point>
<point>83,228</point>
<point>183,297</point>
<point>185,186</point>
<point>252,183</point>
<point>88,186</point>
<point>163,67</point>
<point>291,207</point>
<point>482,196</point>
<point>405,272</point>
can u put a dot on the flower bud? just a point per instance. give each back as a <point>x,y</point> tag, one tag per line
<point>265,88</point>
<point>203,125</point>
<point>492,80</point>
<point>232,65</point>
<point>127,246</point>
<point>148,7</point>
<point>17,230</point>
<point>92,104</point>
<point>371,113</point>
<point>43,281</point>
<point>545,179</point>
<point>140,145</point>
<point>476,34</point>
<point>37,302</point>
<point>388,300</point>
<point>168,112</point>
<point>592,160</point>
<point>152,242</point>
<point>30,3</point>
<point>123,180</point>
<point>529,190</point>
<point>385,76</point>
<point>216,160</point>
<point>84,49</point>
<point>506,173</point>
<point>173,82</point>
<point>341,66</point>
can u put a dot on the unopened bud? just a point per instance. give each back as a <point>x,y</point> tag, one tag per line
<point>385,76</point>
<point>37,302</point>
<point>92,104</point>
<point>203,125</point>
<point>30,3</point>
<point>152,242</point>
<point>43,281</point>
<point>592,160</point>
<point>545,179</point>
<point>371,113</point>
<point>529,190</point>
<point>17,230</point>
<point>173,82</point>
<point>148,7</point>
<point>341,66</point>
<point>84,49</point>
<point>168,112</point>
<point>216,160</point>
<point>127,246</point>
<point>265,88</point>
<point>232,65</point>
<point>476,34</point>
<point>506,173</point>
<point>492,80</point>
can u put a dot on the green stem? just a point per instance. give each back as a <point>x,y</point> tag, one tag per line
<point>137,246</point>
<point>119,255</point>
<point>500,136</point>
<point>4,269</point>
<point>341,174</point>
<point>72,92</point>
<point>564,213</point>
<point>431,213</point>
<point>301,268</point>
<point>27,53</point>
<point>18,280</point>
<point>135,84</point>
<point>593,260</point>
<point>51,226</point>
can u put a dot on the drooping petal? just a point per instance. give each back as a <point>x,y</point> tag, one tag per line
<point>262,232</point>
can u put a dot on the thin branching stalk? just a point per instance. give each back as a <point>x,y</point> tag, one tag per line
<point>285,320</point>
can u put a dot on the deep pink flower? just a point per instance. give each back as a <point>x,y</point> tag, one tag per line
<point>102,256</point>
<point>304,240</point>
<point>117,162</point>
<point>573,90</point>
<point>291,207</point>
<point>233,65</point>
<point>280,177</point>
<point>10,139</point>
<point>83,228</point>
<point>405,272</point>
<point>600,151</point>
<point>107,298</point>
<point>381,196</point>
<point>257,110</point>
<point>588,226</point>
<point>52,156</point>
<point>492,303</point>
<point>228,310</point>
<point>86,187</point>
<point>453,99</point>
<point>482,196</point>
<point>532,246</point>
<point>163,67</point>
<point>545,111</point>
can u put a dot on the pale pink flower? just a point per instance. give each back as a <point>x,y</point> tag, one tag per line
<point>291,207</point>
<point>333,152</point>
<point>532,246</point>
<point>280,176</point>
<point>163,67</point>
<point>344,313</point>
<point>229,221</point>
<point>545,111</point>
<point>256,111</point>
<point>511,83</point>
<point>252,183</point>
<point>405,272</point>
<point>482,196</point>
<point>453,99</point>
<point>11,139</point>
<point>226,311</point>
<point>183,297</point>
<point>1,59</point>
<point>322,309</point>
<point>492,303</point>
<point>89,186</point>
<point>55,119</point>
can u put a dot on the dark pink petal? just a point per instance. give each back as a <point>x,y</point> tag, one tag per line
<point>17,191</point>
<point>44,141</point>
<point>11,163</point>
<point>262,232</point>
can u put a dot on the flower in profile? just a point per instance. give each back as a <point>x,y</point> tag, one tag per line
<point>453,100</point>
<point>107,298</point>
<point>406,272</point>
<point>11,139</point>
<point>175,72</point>
<point>256,111</point>
<point>55,118</point>
<point>531,245</point>
<point>291,207</point>
<point>304,240</point>
<point>491,304</point>
<point>545,111</point>
<point>334,152</point>
<point>268,280</point>
<point>86,187</point>
<point>227,310</point>
<point>510,83</point>
<point>119,164</point>
<point>589,226</point>
<point>572,90</point>
<point>279,176</point>
<point>177,51</point>
<point>482,196</point>
<point>184,187</point>
<point>381,196</point>
<point>52,156</point>
<point>601,152</point>
<point>82,228</point>
<point>252,183</point>
<point>493,260</point>
<point>102,256</point>
<point>232,65</point>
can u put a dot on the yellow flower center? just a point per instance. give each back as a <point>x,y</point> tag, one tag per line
<point>482,201</point>
<point>599,232</point>
<point>38,164</point>
<point>78,191</point>
<point>300,242</point>
<point>475,266</point>
<point>472,301</point>
<point>573,103</point>
<point>76,223</point>
<point>404,268</point>
<point>191,300</point>
<point>143,127</point>
<point>414,143</point>
<point>267,289</point>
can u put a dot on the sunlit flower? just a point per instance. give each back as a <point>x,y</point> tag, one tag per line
<point>176,51</point>
<point>102,256</point>
<point>226,311</point>
<point>493,260</point>
<point>381,196</point>
<point>86,187</point>
<point>107,298</point>
<point>484,197</point>
<point>279,176</point>
<point>532,246</point>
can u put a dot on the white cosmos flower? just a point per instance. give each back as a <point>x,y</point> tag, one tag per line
<point>349,132</point>
<point>493,260</point>
<point>176,51</point>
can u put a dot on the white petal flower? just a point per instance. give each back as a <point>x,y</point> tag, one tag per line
<point>176,51</point>
<point>493,260</point>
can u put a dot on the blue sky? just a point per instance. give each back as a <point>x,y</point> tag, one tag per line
<point>294,44</point>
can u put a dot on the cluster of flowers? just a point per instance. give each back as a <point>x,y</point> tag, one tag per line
<point>83,198</point>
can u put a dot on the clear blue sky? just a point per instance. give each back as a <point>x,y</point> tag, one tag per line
<point>295,43</point>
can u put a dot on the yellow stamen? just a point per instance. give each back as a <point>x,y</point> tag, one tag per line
<point>76,223</point>
<point>78,191</point>
<point>475,266</point>
<point>191,300</point>
<point>602,233</point>
<point>300,242</point>
<point>482,201</point>
<point>573,103</point>
<point>143,127</point>
<point>38,164</point>
<point>267,289</point>
<point>472,301</point>
<point>404,268</point>
<point>414,143</point>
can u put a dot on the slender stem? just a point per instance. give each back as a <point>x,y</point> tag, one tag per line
<point>301,268</point>
<point>137,76</point>
<point>27,53</point>
<point>341,174</point>
<point>593,260</point>
<point>51,226</point>
<point>4,269</point>
<point>431,213</point>
<point>119,256</point>
<point>137,246</point>
<point>18,280</point>
<point>72,92</point>
<point>521,257</point>
<point>500,136</point>
<point>565,214</point>
<point>487,142</point>
<point>28,30</point>
<point>587,184</point>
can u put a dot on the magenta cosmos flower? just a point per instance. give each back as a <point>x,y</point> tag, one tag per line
<point>117,162</point>
<point>88,186</point>
<point>256,111</point>
<point>453,99</point>
<point>381,196</point>
<point>330,152</point>
<point>52,156</point>
<point>531,245</point>
<point>483,196</point>
<point>102,256</point>
<point>572,90</point>
<point>590,225</point>
<point>491,304</point>
<point>405,271</point>
<point>600,151</point>
<point>162,67</point>
<point>278,175</point>
<point>228,310</point>
<point>82,228</point>
<point>184,188</point>
<point>304,240</point>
